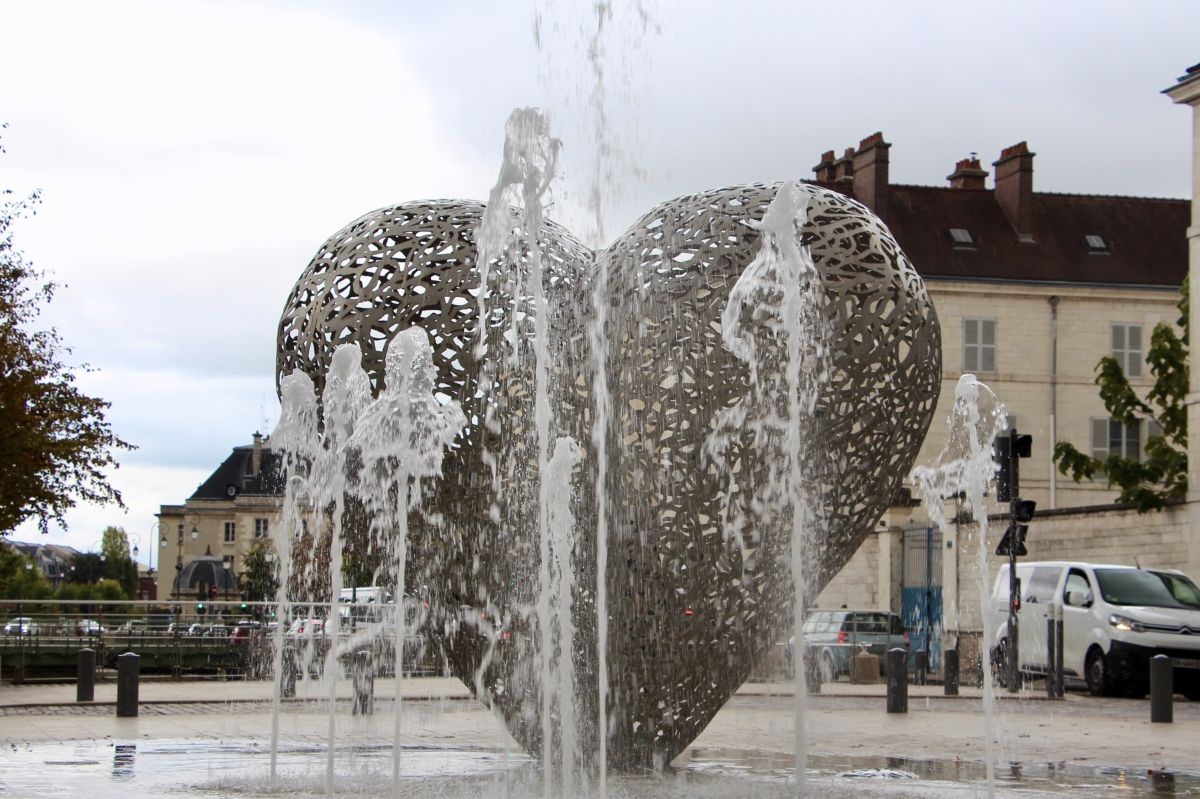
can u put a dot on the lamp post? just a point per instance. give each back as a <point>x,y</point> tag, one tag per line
<point>190,519</point>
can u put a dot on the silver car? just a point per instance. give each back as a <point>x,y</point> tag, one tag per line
<point>832,636</point>
<point>22,625</point>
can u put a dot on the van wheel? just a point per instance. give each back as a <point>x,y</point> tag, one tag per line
<point>1099,682</point>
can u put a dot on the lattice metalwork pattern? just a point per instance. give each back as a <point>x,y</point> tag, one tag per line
<point>691,609</point>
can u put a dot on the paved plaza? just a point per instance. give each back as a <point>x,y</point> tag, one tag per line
<point>844,720</point>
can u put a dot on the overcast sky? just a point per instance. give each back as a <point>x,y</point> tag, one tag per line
<point>194,155</point>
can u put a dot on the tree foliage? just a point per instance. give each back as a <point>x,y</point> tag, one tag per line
<point>1161,475</point>
<point>55,444</point>
<point>260,574</point>
<point>20,577</point>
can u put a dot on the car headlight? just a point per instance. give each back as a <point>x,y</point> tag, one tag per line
<point>1126,624</point>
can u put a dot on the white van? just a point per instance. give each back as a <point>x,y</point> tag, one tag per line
<point>1115,618</point>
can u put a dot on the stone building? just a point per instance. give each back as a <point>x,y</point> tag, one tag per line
<point>1031,289</point>
<point>237,506</point>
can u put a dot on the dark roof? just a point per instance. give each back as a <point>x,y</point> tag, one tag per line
<point>1146,238</point>
<point>235,472</point>
<point>209,570</point>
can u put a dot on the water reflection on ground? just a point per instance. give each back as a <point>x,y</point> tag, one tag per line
<point>167,768</point>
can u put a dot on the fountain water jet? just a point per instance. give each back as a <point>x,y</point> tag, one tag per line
<point>966,468</point>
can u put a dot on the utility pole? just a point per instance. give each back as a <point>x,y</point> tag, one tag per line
<point>1009,451</point>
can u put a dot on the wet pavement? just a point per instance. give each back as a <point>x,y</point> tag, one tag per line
<point>216,745</point>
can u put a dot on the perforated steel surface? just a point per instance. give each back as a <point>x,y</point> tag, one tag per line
<point>690,610</point>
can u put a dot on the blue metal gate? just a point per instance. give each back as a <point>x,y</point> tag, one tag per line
<point>921,596</point>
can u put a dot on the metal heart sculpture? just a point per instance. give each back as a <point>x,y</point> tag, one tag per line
<point>690,609</point>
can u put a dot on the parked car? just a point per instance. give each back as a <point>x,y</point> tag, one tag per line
<point>89,627</point>
<point>306,628</point>
<point>133,626</point>
<point>245,632</point>
<point>1115,618</point>
<point>22,625</point>
<point>832,636</point>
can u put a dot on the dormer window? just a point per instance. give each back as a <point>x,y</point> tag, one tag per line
<point>1096,245</point>
<point>961,238</point>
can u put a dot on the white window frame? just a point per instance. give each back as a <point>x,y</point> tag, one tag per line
<point>230,532</point>
<point>1131,358</point>
<point>261,528</point>
<point>1106,431</point>
<point>976,349</point>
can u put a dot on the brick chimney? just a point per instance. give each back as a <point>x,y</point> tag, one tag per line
<point>256,458</point>
<point>871,174</point>
<point>1014,187</point>
<point>967,175</point>
<point>825,171</point>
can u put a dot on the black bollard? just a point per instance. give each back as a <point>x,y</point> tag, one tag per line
<point>364,683</point>
<point>1162,689</point>
<point>950,670</point>
<point>85,676</point>
<point>127,685</point>
<point>897,681</point>
<point>1051,656</point>
<point>812,671</point>
<point>922,663</point>
<point>289,667</point>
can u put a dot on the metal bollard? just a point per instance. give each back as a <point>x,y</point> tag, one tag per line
<point>364,683</point>
<point>922,670</point>
<point>1059,680</point>
<point>812,671</point>
<point>289,668</point>
<point>85,676</point>
<point>897,681</point>
<point>1162,689</point>
<point>127,685</point>
<point>1051,656</point>
<point>950,670</point>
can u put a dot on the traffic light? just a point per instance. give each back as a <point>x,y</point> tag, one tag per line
<point>1008,479</point>
<point>200,608</point>
<point>213,592</point>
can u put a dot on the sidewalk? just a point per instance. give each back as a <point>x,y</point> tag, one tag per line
<point>844,720</point>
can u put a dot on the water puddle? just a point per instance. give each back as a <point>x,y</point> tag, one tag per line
<point>169,768</point>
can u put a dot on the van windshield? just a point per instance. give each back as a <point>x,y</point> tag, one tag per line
<point>1181,588</point>
<point>1137,587</point>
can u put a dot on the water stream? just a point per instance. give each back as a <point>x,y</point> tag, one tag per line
<point>967,468</point>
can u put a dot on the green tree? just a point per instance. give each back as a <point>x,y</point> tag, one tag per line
<point>260,573</point>
<point>55,444</point>
<point>1161,475</point>
<point>114,543</point>
<point>20,577</point>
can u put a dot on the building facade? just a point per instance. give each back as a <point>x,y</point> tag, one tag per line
<point>235,508</point>
<point>1032,289</point>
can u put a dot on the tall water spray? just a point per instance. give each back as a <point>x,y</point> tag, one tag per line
<point>776,323</point>
<point>369,450</point>
<point>505,235</point>
<point>966,468</point>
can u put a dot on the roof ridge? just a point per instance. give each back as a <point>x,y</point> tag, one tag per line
<point>1051,193</point>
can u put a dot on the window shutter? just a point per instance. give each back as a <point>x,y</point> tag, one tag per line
<point>1133,346</point>
<point>970,345</point>
<point>1100,439</point>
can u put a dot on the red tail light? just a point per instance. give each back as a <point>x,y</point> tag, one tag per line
<point>907,643</point>
<point>841,636</point>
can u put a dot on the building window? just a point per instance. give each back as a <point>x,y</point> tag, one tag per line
<point>1127,348</point>
<point>1111,436</point>
<point>1096,245</point>
<point>260,528</point>
<point>961,238</point>
<point>979,345</point>
<point>230,532</point>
